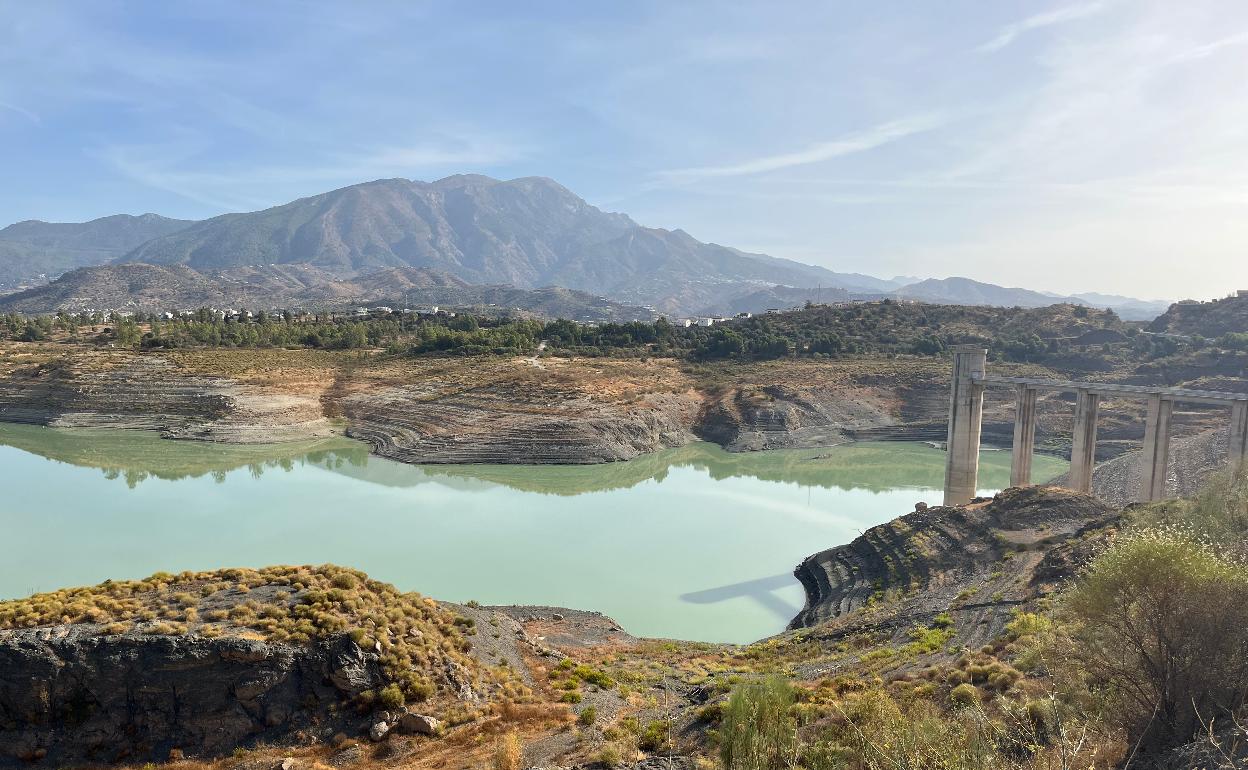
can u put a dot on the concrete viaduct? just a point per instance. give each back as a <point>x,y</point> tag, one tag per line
<point>966,408</point>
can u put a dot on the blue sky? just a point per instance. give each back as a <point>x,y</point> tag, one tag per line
<point>1083,145</point>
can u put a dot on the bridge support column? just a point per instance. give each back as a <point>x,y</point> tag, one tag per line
<point>1083,446</point>
<point>966,411</point>
<point>1239,434</point>
<point>1024,437</point>
<point>1156,449</point>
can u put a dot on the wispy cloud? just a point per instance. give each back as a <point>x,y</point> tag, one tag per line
<point>1011,32</point>
<point>860,141</point>
<point>1209,49</point>
<point>32,117</point>
<point>176,168</point>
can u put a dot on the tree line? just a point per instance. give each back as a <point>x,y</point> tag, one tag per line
<point>818,331</point>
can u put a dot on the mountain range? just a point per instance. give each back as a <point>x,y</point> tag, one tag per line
<point>152,288</point>
<point>525,234</point>
<point>32,250</point>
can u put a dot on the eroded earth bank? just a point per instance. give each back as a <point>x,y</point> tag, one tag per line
<point>498,409</point>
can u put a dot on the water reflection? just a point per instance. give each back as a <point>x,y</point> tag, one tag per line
<point>661,543</point>
<point>133,456</point>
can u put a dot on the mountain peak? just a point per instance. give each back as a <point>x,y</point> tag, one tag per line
<point>465,180</point>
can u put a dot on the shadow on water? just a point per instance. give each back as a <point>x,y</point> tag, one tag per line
<point>762,591</point>
<point>134,456</point>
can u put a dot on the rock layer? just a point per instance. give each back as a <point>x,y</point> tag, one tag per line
<point>69,694</point>
<point>418,425</point>
<point>147,392</point>
<point>976,559</point>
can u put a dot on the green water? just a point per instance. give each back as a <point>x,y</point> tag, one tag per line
<point>692,543</point>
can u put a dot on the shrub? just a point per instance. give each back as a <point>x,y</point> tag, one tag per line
<point>759,731</point>
<point>610,755</point>
<point>588,716</point>
<point>1163,629</point>
<point>390,697</point>
<point>1027,624</point>
<point>964,695</point>
<point>509,754</point>
<point>653,737</point>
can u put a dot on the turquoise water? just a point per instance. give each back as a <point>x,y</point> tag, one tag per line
<point>692,543</point>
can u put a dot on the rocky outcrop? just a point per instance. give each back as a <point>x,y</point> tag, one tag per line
<point>147,392</point>
<point>69,694</point>
<point>822,414</point>
<point>419,424</point>
<point>974,560</point>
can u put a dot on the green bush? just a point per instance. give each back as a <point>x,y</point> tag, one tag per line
<point>1162,630</point>
<point>964,695</point>
<point>759,730</point>
<point>391,697</point>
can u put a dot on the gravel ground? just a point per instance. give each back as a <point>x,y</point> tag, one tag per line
<point>1192,460</point>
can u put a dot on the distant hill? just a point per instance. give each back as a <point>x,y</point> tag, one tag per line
<point>1208,319</point>
<point>33,249</point>
<point>775,298</point>
<point>964,291</point>
<point>528,233</point>
<point>153,288</point>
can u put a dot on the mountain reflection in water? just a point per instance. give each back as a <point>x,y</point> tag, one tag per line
<point>134,456</point>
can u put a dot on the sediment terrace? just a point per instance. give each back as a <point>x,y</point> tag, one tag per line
<point>469,410</point>
<point>493,409</point>
<point>108,389</point>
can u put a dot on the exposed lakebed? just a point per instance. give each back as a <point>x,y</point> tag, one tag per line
<point>693,543</point>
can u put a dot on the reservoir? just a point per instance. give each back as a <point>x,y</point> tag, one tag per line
<point>690,543</point>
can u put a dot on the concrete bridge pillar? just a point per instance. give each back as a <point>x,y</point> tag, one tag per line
<point>1239,434</point>
<point>966,411</point>
<point>1083,446</point>
<point>1156,448</point>
<point>1024,437</point>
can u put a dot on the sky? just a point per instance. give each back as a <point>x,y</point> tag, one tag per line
<point>1086,145</point>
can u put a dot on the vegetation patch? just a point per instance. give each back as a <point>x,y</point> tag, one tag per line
<point>415,638</point>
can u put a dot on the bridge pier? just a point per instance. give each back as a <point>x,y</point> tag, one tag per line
<point>1083,445</point>
<point>966,411</point>
<point>1024,437</point>
<point>1156,449</point>
<point>1239,434</point>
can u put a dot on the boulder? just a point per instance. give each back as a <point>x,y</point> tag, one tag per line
<point>379,731</point>
<point>418,724</point>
